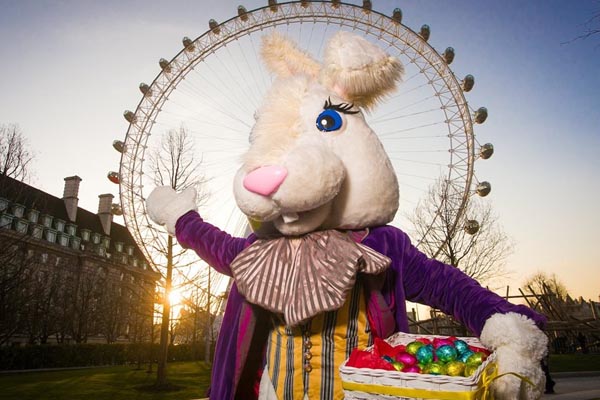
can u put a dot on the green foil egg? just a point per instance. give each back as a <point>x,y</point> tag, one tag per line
<point>475,359</point>
<point>398,366</point>
<point>412,347</point>
<point>469,370</point>
<point>435,368</point>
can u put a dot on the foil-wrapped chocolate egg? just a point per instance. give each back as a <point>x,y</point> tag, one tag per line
<point>455,368</point>
<point>412,347</point>
<point>435,368</point>
<point>446,353</point>
<point>425,354</point>
<point>406,359</point>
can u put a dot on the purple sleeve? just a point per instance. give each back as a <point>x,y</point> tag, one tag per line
<point>438,285</point>
<point>214,246</point>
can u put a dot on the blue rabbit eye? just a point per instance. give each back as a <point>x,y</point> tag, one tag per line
<point>329,120</point>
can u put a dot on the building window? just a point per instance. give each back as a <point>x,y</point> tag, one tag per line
<point>50,235</point>
<point>63,239</point>
<point>130,250</point>
<point>44,258</point>
<point>33,215</point>
<point>47,220</point>
<point>37,230</point>
<point>6,221</point>
<point>85,234</point>
<point>106,242</point>
<point>18,210</point>
<point>96,238</point>
<point>21,225</point>
<point>3,204</point>
<point>59,225</point>
<point>135,262</point>
<point>75,242</point>
<point>119,246</point>
<point>71,229</point>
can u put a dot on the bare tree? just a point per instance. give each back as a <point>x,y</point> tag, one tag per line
<point>542,283</point>
<point>13,284</point>
<point>481,255</point>
<point>591,27</point>
<point>174,163</point>
<point>15,155</point>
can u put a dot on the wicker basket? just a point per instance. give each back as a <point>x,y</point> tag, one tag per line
<point>366,383</point>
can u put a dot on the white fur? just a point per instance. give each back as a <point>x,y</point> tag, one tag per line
<point>339,179</point>
<point>520,347</point>
<point>359,70</point>
<point>285,59</point>
<point>165,206</point>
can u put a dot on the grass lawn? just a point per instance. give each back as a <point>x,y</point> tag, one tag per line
<point>574,362</point>
<point>114,383</point>
<point>126,383</point>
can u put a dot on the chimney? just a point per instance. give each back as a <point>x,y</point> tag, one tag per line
<point>104,211</point>
<point>70,196</point>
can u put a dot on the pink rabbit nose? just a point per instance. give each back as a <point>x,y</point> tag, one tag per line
<point>265,180</point>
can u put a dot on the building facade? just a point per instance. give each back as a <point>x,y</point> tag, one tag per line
<point>69,275</point>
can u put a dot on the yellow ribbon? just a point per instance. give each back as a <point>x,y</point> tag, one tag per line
<point>483,392</point>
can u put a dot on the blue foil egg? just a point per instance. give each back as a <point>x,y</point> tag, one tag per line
<point>425,354</point>
<point>446,353</point>
<point>461,346</point>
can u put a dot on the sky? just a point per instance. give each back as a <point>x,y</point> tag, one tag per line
<point>70,69</point>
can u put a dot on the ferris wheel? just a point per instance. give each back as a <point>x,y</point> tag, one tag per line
<point>215,83</point>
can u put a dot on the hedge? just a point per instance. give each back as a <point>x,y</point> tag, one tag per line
<point>87,354</point>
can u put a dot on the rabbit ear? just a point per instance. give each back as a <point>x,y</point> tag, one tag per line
<point>358,70</point>
<point>282,57</point>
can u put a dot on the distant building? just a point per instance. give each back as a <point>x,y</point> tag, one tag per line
<point>67,274</point>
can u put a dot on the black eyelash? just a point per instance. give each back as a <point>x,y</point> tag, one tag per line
<point>345,108</point>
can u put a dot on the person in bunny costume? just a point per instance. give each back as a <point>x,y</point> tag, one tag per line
<point>324,274</point>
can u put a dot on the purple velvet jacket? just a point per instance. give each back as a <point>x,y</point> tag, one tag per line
<point>412,276</point>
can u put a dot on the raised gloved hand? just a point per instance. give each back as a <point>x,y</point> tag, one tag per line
<point>165,205</point>
<point>520,346</point>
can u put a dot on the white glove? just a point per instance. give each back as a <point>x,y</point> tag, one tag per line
<point>165,205</point>
<point>520,346</point>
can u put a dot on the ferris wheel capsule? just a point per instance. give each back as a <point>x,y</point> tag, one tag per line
<point>129,116</point>
<point>397,15</point>
<point>449,55</point>
<point>273,5</point>
<point>243,13</point>
<point>304,3</point>
<point>113,177</point>
<point>367,6</point>
<point>214,26</point>
<point>335,3</point>
<point>468,83</point>
<point>115,209</point>
<point>119,146</point>
<point>164,65</point>
<point>481,115</point>
<point>188,44</point>
<point>145,89</point>
<point>486,151</point>
<point>425,32</point>
<point>471,226</point>
<point>483,189</point>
